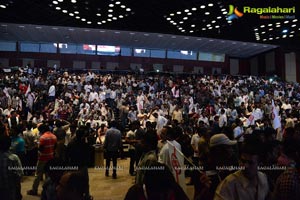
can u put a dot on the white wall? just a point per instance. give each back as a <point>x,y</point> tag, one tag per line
<point>78,64</point>
<point>4,62</point>
<point>254,66</point>
<point>27,61</point>
<point>112,65</point>
<point>270,62</point>
<point>198,70</point>
<point>158,66</point>
<point>96,65</point>
<point>177,68</point>
<point>234,66</point>
<point>51,63</point>
<point>290,67</point>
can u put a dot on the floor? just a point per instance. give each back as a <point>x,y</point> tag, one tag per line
<point>101,187</point>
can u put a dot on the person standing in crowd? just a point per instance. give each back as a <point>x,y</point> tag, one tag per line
<point>130,138</point>
<point>112,147</point>
<point>248,182</point>
<point>10,171</point>
<point>46,147</point>
<point>288,183</point>
<point>51,93</point>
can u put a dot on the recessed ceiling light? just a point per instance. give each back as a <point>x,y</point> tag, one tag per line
<point>206,13</point>
<point>58,8</point>
<point>191,31</point>
<point>111,5</point>
<point>89,22</point>
<point>203,6</point>
<point>128,9</point>
<point>76,12</point>
<point>109,20</point>
<point>185,18</point>
<point>60,0</point>
<point>182,30</point>
<point>255,29</point>
<point>109,15</point>
<point>114,18</point>
<point>219,17</point>
<point>174,23</point>
<point>210,4</point>
<point>284,36</point>
<point>262,26</point>
<point>73,1</point>
<point>292,32</point>
<point>171,21</point>
<point>178,13</point>
<point>103,21</point>
<point>294,25</point>
<point>295,20</point>
<point>171,14</point>
<point>122,6</point>
<point>189,13</point>
<point>270,29</point>
<point>64,11</point>
<point>213,21</point>
<point>194,9</point>
<point>54,2</point>
<point>224,13</point>
<point>181,22</point>
<point>2,6</point>
<point>217,26</point>
<point>168,18</point>
<point>193,25</point>
<point>270,24</point>
<point>118,2</point>
<point>278,25</point>
<point>99,23</point>
<point>203,29</point>
<point>277,38</point>
<point>284,31</point>
<point>77,17</point>
<point>110,10</point>
<point>71,14</point>
<point>179,28</point>
<point>277,22</point>
<point>271,38</point>
<point>263,32</point>
<point>291,35</point>
<point>210,27</point>
<point>121,16</point>
<point>229,22</point>
<point>286,22</point>
<point>223,9</point>
<point>264,39</point>
<point>83,19</point>
<point>186,10</point>
<point>98,14</point>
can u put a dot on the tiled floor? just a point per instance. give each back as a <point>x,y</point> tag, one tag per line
<point>101,187</point>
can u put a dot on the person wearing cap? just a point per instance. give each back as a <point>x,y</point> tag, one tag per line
<point>247,183</point>
<point>220,162</point>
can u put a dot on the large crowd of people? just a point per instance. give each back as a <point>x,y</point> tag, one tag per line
<point>238,136</point>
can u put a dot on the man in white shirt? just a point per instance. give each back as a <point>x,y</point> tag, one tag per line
<point>51,93</point>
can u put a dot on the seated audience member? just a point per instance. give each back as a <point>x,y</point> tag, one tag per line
<point>158,184</point>
<point>248,182</point>
<point>73,186</point>
<point>11,171</point>
<point>288,183</point>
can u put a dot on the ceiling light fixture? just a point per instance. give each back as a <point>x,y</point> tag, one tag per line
<point>103,22</point>
<point>58,8</point>
<point>98,14</point>
<point>270,24</point>
<point>114,18</point>
<point>203,6</point>
<point>71,14</point>
<point>186,10</point>
<point>121,16</point>
<point>185,18</point>
<point>76,12</point>
<point>168,18</point>
<point>294,25</point>
<point>64,11</point>
<point>110,10</point>
<point>262,26</point>
<point>110,15</point>
<point>178,13</point>
<point>225,13</point>
<point>122,6</point>
<point>77,17</point>
<point>213,21</point>
<point>210,4</point>
<point>2,6</point>
<point>118,2</point>
<point>219,17</point>
<point>284,36</point>
<point>286,22</point>
<point>109,20</point>
<point>295,20</point>
<point>206,13</point>
<point>89,22</point>
<point>73,1</point>
<point>54,2</point>
<point>83,19</point>
<point>194,9</point>
<point>171,14</point>
<point>193,25</point>
<point>128,9</point>
<point>111,5</point>
<point>217,26</point>
<point>189,13</point>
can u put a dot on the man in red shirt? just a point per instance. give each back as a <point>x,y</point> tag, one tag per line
<point>47,143</point>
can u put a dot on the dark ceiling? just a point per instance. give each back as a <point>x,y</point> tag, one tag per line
<point>177,17</point>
